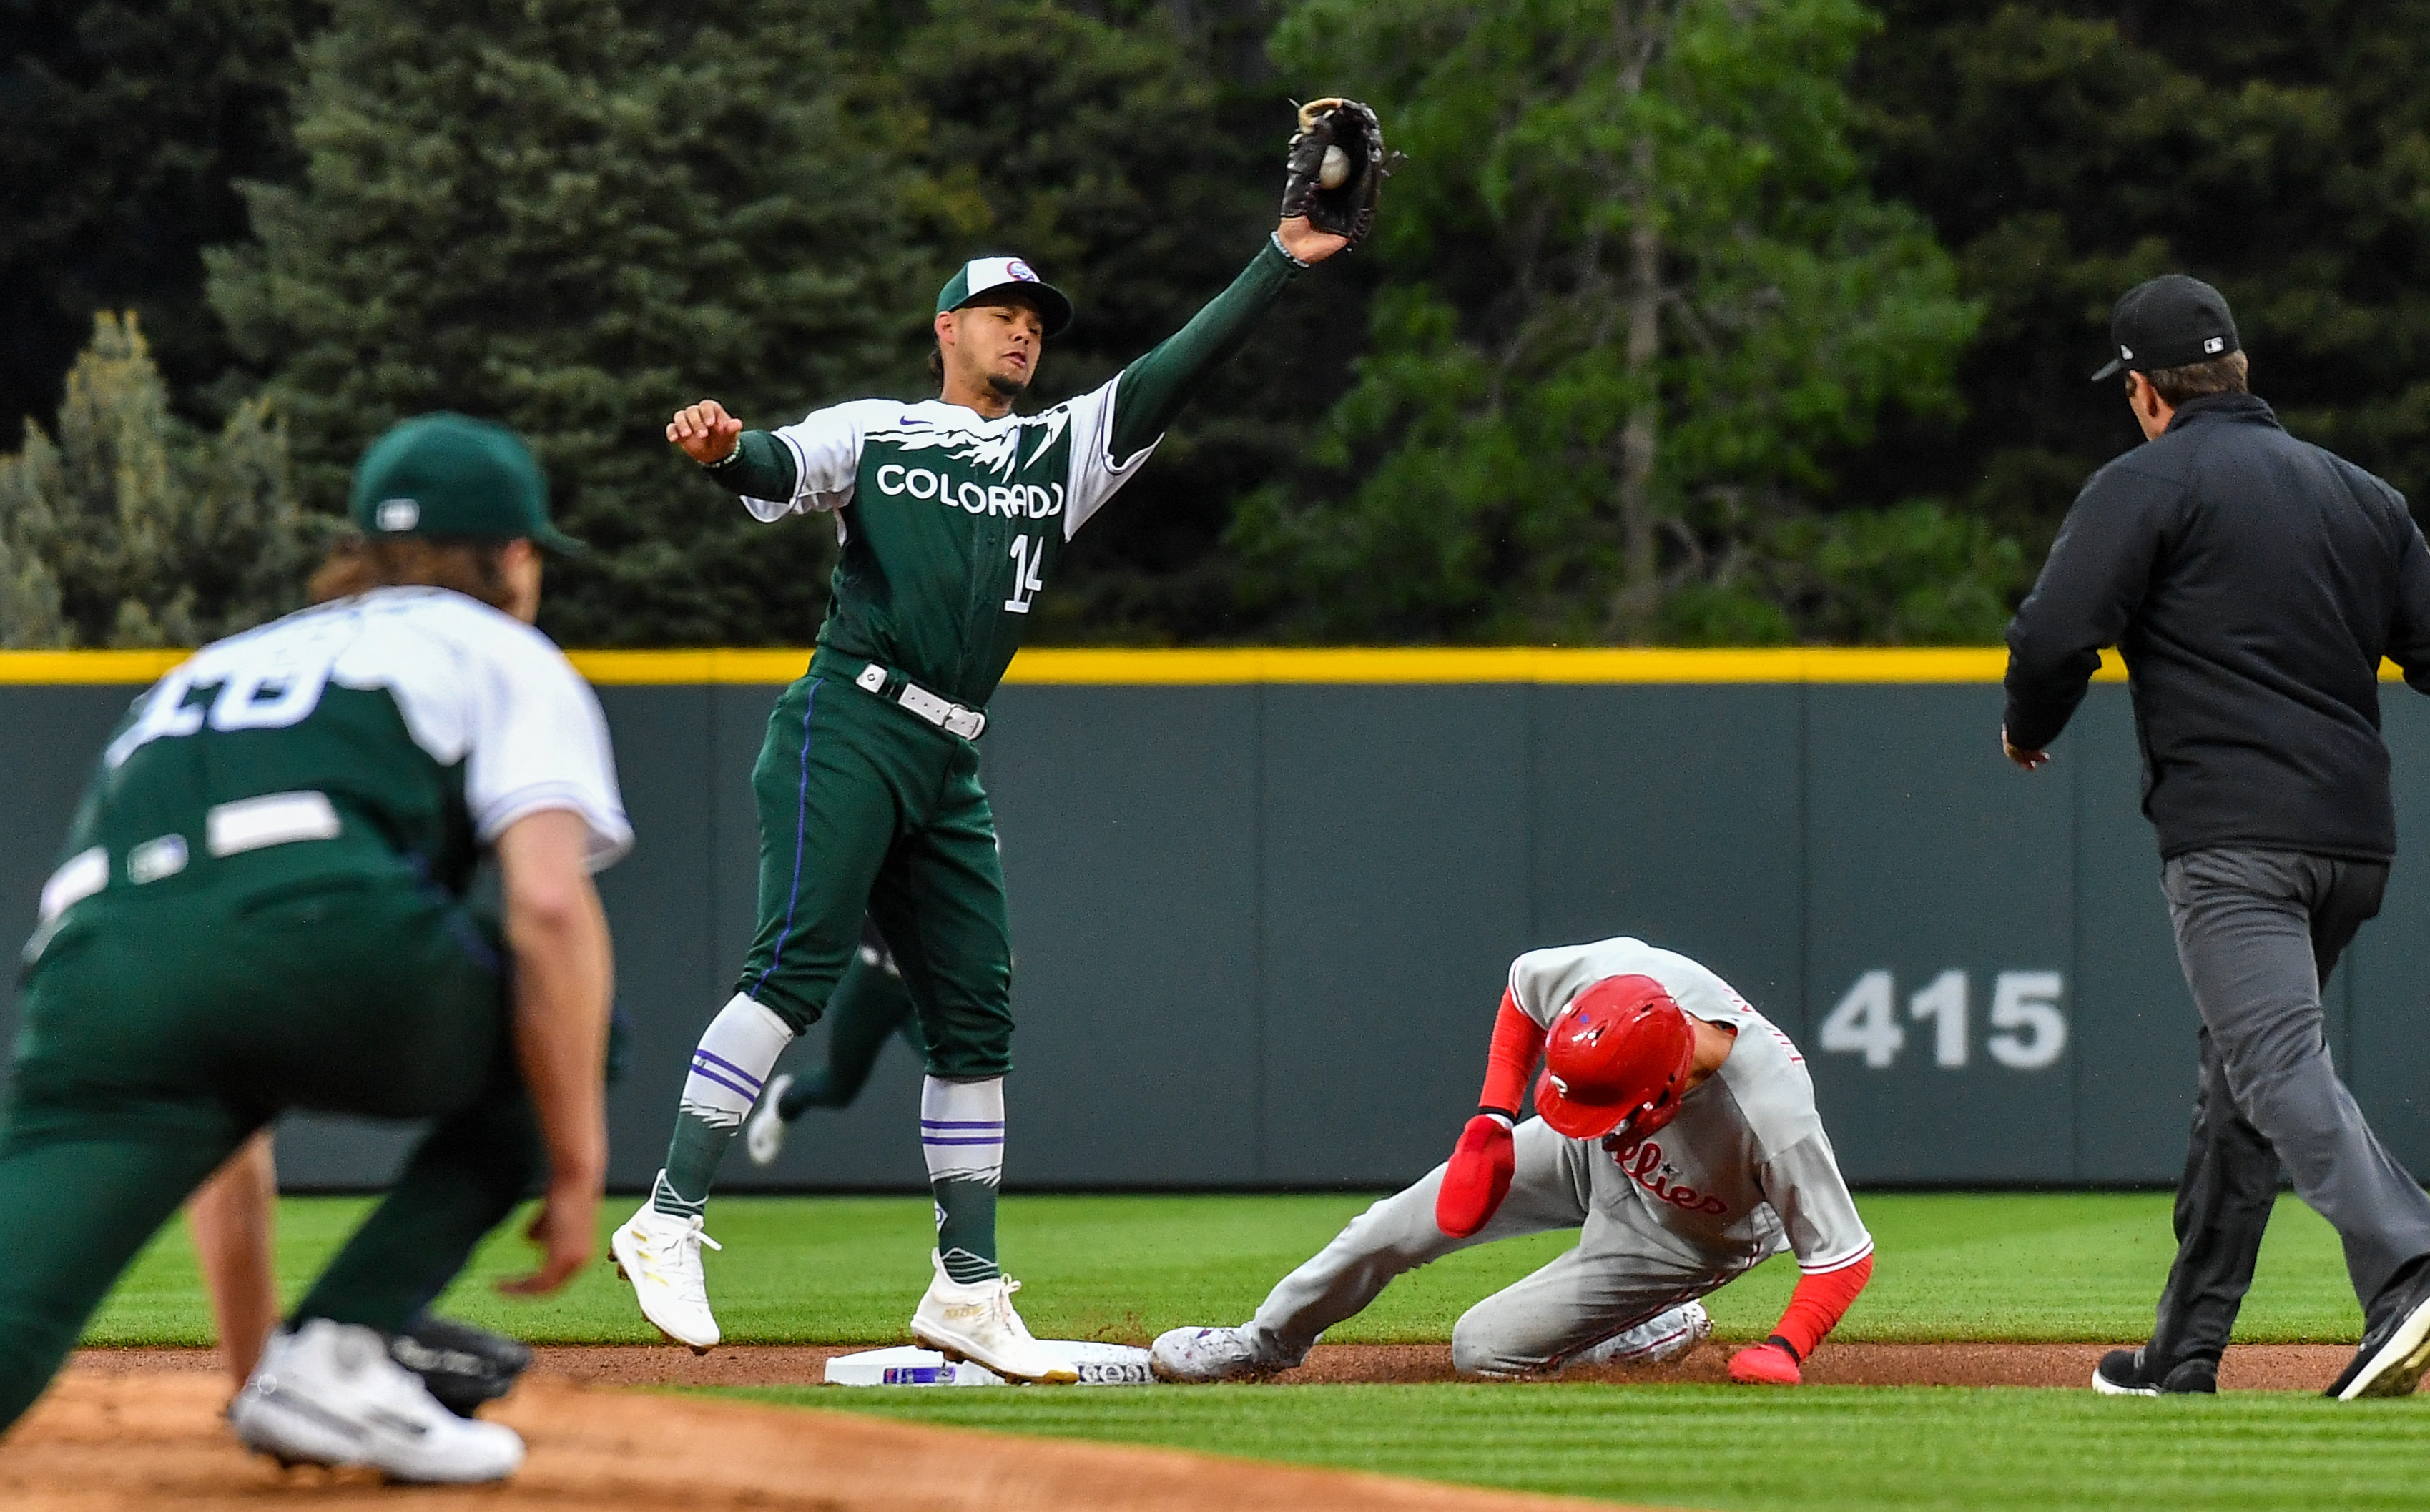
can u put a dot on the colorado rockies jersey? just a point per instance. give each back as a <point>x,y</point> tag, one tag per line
<point>949,523</point>
<point>1745,1168</point>
<point>410,726</point>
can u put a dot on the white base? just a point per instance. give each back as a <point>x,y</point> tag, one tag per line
<point>906,1365</point>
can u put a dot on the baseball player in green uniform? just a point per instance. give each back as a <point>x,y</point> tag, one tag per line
<point>952,512</point>
<point>260,906</point>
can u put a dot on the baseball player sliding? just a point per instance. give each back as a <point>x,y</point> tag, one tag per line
<point>1677,1134</point>
<point>950,512</point>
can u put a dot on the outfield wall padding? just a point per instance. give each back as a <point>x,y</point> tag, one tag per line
<point>1261,925</point>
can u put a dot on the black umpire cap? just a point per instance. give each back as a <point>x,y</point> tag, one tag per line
<point>2168,322</point>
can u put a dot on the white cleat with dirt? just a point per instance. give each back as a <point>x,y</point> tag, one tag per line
<point>1659,1340</point>
<point>328,1393</point>
<point>1199,1357</point>
<point>660,1257</point>
<point>763,1132</point>
<point>976,1322</point>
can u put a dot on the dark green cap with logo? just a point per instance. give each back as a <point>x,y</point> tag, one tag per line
<point>449,474</point>
<point>1006,277</point>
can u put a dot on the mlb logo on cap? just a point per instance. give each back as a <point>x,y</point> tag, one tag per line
<point>980,274</point>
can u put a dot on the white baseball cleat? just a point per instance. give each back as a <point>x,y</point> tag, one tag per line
<point>976,1322</point>
<point>1659,1340</point>
<point>660,1257</point>
<point>1193,1356</point>
<point>763,1135</point>
<point>328,1394</point>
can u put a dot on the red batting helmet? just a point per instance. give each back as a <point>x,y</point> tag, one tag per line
<point>1619,1054</point>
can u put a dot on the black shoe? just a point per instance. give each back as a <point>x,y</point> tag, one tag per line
<point>2395,1351</point>
<point>2122,1374</point>
<point>460,1365</point>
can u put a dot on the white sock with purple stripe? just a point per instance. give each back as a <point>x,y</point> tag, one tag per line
<point>961,1136</point>
<point>733,1060</point>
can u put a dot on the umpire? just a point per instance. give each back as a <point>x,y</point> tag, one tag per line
<point>2253,583</point>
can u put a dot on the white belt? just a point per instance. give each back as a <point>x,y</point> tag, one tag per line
<point>228,830</point>
<point>941,712</point>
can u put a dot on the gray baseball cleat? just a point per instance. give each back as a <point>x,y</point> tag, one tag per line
<point>1659,1340</point>
<point>1196,1357</point>
<point>763,1136</point>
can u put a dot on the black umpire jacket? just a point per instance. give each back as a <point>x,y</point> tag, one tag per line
<point>2253,582</point>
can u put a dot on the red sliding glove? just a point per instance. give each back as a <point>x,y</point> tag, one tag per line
<point>1770,1363</point>
<point>1479,1177</point>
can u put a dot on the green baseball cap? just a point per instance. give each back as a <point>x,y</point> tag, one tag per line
<point>982,275</point>
<point>449,474</point>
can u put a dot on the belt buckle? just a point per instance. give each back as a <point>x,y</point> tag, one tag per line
<point>967,722</point>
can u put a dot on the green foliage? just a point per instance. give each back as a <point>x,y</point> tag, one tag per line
<point>1639,297</point>
<point>129,528</point>
<point>573,219</point>
<point>2066,150</point>
<point>123,126</point>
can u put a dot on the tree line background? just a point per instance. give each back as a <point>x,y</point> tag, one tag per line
<point>1688,321</point>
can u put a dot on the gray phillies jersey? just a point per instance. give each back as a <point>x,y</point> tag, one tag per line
<point>949,523</point>
<point>410,724</point>
<point>1745,1168</point>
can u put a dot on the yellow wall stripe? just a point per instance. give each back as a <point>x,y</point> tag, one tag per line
<point>1236,665</point>
<point>1248,664</point>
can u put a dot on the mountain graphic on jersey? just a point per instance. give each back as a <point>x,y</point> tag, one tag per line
<point>991,453</point>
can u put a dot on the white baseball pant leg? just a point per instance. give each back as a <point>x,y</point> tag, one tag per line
<point>1592,1293</point>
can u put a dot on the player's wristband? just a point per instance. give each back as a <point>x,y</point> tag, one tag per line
<point>1508,1118</point>
<point>1787,1345</point>
<point>1277,238</point>
<point>729,458</point>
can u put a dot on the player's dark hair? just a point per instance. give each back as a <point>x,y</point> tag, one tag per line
<point>2220,374</point>
<point>937,364</point>
<point>358,564</point>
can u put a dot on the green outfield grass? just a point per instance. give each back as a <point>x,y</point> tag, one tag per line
<point>848,1270</point>
<point>1734,1448</point>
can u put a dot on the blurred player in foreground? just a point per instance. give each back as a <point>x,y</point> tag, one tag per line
<point>870,1006</point>
<point>261,907</point>
<point>231,1216</point>
<point>1637,1043</point>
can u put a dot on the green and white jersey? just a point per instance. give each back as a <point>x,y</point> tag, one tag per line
<point>950,522</point>
<point>399,730</point>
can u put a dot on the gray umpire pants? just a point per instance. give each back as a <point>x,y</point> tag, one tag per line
<point>1625,1271</point>
<point>2257,933</point>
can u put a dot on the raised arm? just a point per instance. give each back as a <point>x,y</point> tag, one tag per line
<point>754,463</point>
<point>1153,389</point>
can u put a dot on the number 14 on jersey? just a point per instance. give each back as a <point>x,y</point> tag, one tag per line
<point>1028,572</point>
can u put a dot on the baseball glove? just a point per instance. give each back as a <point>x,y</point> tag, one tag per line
<point>463,1366</point>
<point>1340,198</point>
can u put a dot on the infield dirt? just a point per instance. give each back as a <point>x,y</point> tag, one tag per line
<point>126,1429</point>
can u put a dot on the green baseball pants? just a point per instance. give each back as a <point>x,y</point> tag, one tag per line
<point>160,1030</point>
<point>864,805</point>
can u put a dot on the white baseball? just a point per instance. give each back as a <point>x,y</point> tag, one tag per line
<point>1335,171</point>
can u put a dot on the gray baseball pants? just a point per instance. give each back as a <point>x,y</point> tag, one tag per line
<point>2258,932</point>
<point>1624,1271</point>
